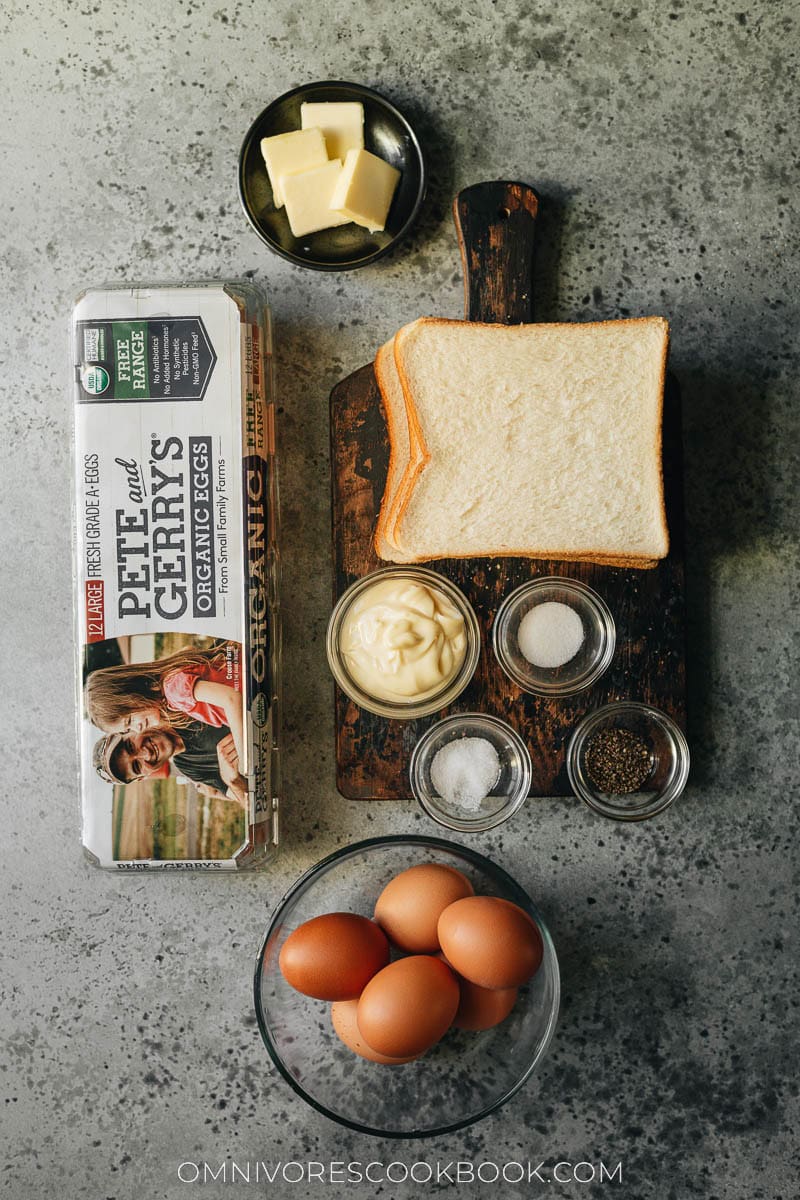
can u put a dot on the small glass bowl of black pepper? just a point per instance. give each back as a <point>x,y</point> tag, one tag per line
<point>627,761</point>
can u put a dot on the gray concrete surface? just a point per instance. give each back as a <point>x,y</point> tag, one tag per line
<point>661,138</point>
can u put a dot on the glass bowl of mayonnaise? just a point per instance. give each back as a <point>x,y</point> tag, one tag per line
<point>403,642</point>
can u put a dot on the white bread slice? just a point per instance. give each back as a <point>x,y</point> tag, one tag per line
<point>407,457</point>
<point>542,441</point>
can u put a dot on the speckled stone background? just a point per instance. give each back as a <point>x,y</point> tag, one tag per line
<point>662,137</point>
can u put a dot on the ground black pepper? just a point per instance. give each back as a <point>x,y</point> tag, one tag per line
<point>618,761</point>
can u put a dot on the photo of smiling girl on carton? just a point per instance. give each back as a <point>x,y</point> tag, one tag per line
<point>190,685</point>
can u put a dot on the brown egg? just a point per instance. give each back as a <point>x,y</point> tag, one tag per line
<point>408,1006</point>
<point>482,1008</point>
<point>490,941</point>
<point>334,956</point>
<point>409,907</point>
<point>343,1019</point>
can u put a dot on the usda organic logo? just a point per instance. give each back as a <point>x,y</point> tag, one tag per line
<point>259,711</point>
<point>95,380</point>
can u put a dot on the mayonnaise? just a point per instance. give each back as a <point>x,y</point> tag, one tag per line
<point>402,640</point>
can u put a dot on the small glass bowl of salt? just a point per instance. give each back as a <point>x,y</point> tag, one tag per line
<point>470,771</point>
<point>554,636</point>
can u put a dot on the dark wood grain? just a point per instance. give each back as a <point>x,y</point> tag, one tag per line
<point>495,223</point>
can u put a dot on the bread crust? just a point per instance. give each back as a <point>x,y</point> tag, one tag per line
<point>419,455</point>
<point>412,462</point>
<point>383,360</point>
<point>403,493</point>
<point>601,560</point>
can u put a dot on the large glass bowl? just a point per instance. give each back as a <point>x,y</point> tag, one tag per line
<point>464,1077</point>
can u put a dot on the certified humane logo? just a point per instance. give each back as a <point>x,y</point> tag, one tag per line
<point>95,380</point>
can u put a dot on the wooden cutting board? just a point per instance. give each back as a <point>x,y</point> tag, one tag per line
<point>495,223</point>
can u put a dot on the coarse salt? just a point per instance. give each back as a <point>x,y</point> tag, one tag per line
<point>464,772</point>
<point>550,634</point>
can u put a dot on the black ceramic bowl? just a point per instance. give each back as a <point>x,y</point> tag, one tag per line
<point>386,133</point>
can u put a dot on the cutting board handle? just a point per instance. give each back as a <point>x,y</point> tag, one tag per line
<point>495,223</point>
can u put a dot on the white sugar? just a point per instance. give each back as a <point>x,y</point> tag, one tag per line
<point>464,772</point>
<point>550,634</point>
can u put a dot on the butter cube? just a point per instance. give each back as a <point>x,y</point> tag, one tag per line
<point>308,196</point>
<point>286,153</point>
<point>342,125</point>
<point>365,189</point>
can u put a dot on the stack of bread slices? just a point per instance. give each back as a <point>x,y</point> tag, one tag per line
<point>542,441</point>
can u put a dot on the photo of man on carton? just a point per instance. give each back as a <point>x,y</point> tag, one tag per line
<point>202,753</point>
<point>169,708</point>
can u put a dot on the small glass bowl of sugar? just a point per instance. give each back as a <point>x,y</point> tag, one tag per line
<point>470,772</point>
<point>554,636</point>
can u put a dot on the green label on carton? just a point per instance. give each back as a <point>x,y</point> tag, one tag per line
<point>169,358</point>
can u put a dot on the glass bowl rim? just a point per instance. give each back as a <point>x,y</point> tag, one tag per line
<point>437,700</point>
<point>478,860</point>
<point>503,814</point>
<point>591,720</point>
<point>368,93</point>
<point>592,599</point>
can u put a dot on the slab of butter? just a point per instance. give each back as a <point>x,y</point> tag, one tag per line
<point>365,189</point>
<point>342,125</point>
<point>287,153</point>
<point>307,195</point>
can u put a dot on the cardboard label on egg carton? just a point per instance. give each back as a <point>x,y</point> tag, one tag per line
<point>176,563</point>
